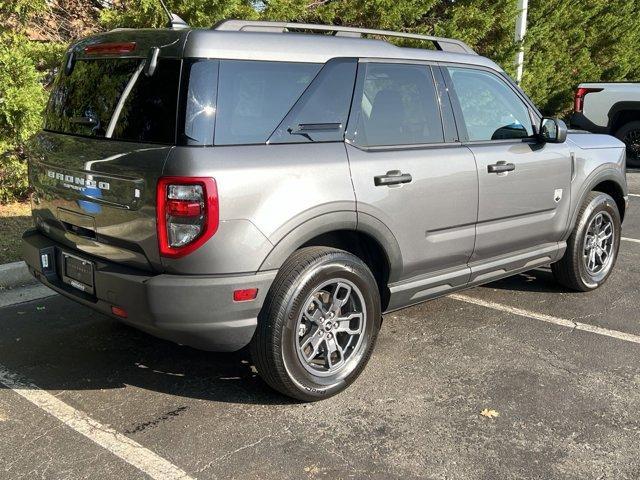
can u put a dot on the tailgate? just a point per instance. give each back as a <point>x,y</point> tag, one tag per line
<point>98,196</point>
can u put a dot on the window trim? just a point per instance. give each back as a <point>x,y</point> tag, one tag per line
<point>355,108</point>
<point>457,109</point>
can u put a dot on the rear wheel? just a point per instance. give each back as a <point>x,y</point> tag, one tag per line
<point>592,248</point>
<point>630,135</point>
<point>319,324</point>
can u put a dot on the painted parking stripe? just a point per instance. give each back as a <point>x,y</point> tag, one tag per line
<point>627,239</point>
<point>123,447</point>
<point>634,194</point>
<point>563,322</point>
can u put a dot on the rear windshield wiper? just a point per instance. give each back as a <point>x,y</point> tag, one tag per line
<point>86,121</point>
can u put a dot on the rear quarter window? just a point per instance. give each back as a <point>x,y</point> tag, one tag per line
<point>254,97</point>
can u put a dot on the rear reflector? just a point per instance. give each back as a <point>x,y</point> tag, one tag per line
<point>183,208</point>
<point>119,311</point>
<point>245,295</point>
<point>110,48</point>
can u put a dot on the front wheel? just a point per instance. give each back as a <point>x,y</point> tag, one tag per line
<point>593,246</point>
<point>318,325</point>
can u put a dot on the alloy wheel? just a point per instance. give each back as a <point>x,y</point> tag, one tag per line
<point>330,328</point>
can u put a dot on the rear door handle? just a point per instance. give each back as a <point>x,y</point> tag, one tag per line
<point>501,167</point>
<point>392,177</point>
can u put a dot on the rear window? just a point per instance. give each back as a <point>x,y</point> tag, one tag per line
<point>112,98</point>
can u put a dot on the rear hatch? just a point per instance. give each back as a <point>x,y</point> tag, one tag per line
<point>109,127</point>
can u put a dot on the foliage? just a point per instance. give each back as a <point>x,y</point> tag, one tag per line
<point>572,42</point>
<point>197,13</point>
<point>567,42</point>
<point>21,101</point>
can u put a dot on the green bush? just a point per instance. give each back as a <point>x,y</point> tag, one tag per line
<point>14,184</point>
<point>21,102</point>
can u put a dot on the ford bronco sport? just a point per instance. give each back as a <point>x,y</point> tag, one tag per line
<point>282,185</point>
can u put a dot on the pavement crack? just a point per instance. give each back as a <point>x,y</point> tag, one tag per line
<point>232,453</point>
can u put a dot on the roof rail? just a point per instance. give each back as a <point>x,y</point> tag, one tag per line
<point>445,44</point>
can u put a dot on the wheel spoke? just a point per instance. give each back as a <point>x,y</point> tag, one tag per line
<point>344,324</point>
<point>605,236</point>
<point>334,347</point>
<point>318,312</point>
<point>340,297</point>
<point>598,223</point>
<point>315,341</point>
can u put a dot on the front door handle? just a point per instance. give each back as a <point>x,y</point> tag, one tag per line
<point>501,167</point>
<point>392,177</point>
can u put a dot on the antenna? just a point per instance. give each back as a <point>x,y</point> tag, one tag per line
<point>174,20</point>
<point>166,10</point>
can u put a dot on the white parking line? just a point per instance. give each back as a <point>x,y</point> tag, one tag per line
<point>563,322</point>
<point>634,194</point>
<point>627,239</point>
<point>123,447</point>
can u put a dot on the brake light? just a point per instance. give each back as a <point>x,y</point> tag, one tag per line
<point>187,214</point>
<point>110,48</point>
<point>578,99</point>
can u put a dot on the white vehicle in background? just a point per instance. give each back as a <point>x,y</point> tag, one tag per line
<point>611,108</point>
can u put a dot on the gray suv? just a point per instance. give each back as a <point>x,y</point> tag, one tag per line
<point>283,185</point>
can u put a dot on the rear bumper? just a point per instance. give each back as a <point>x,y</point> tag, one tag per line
<point>194,310</point>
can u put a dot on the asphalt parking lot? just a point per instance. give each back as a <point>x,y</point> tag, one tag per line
<point>91,398</point>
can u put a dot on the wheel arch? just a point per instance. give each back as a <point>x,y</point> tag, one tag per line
<point>606,181</point>
<point>370,240</point>
<point>622,113</point>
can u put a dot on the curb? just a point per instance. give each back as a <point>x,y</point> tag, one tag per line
<point>15,274</point>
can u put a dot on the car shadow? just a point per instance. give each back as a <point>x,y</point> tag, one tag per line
<point>60,345</point>
<point>540,280</point>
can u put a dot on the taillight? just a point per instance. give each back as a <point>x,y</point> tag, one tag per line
<point>578,99</point>
<point>187,214</point>
<point>110,48</point>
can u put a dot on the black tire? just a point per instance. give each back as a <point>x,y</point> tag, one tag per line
<point>572,270</point>
<point>275,346</point>
<point>630,135</point>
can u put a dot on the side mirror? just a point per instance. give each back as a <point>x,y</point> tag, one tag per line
<point>552,130</point>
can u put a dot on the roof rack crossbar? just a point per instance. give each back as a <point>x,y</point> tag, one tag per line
<point>444,44</point>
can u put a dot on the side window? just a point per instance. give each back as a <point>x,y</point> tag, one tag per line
<point>254,96</point>
<point>398,106</point>
<point>321,113</point>
<point>490,108</point>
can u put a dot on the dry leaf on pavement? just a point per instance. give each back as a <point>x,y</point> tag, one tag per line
<point>489,413</point>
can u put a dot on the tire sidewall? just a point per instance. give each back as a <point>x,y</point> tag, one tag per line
<point>600,203</point>
<point>327,269</point>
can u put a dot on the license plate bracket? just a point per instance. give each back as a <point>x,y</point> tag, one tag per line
<point>78,273</point>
